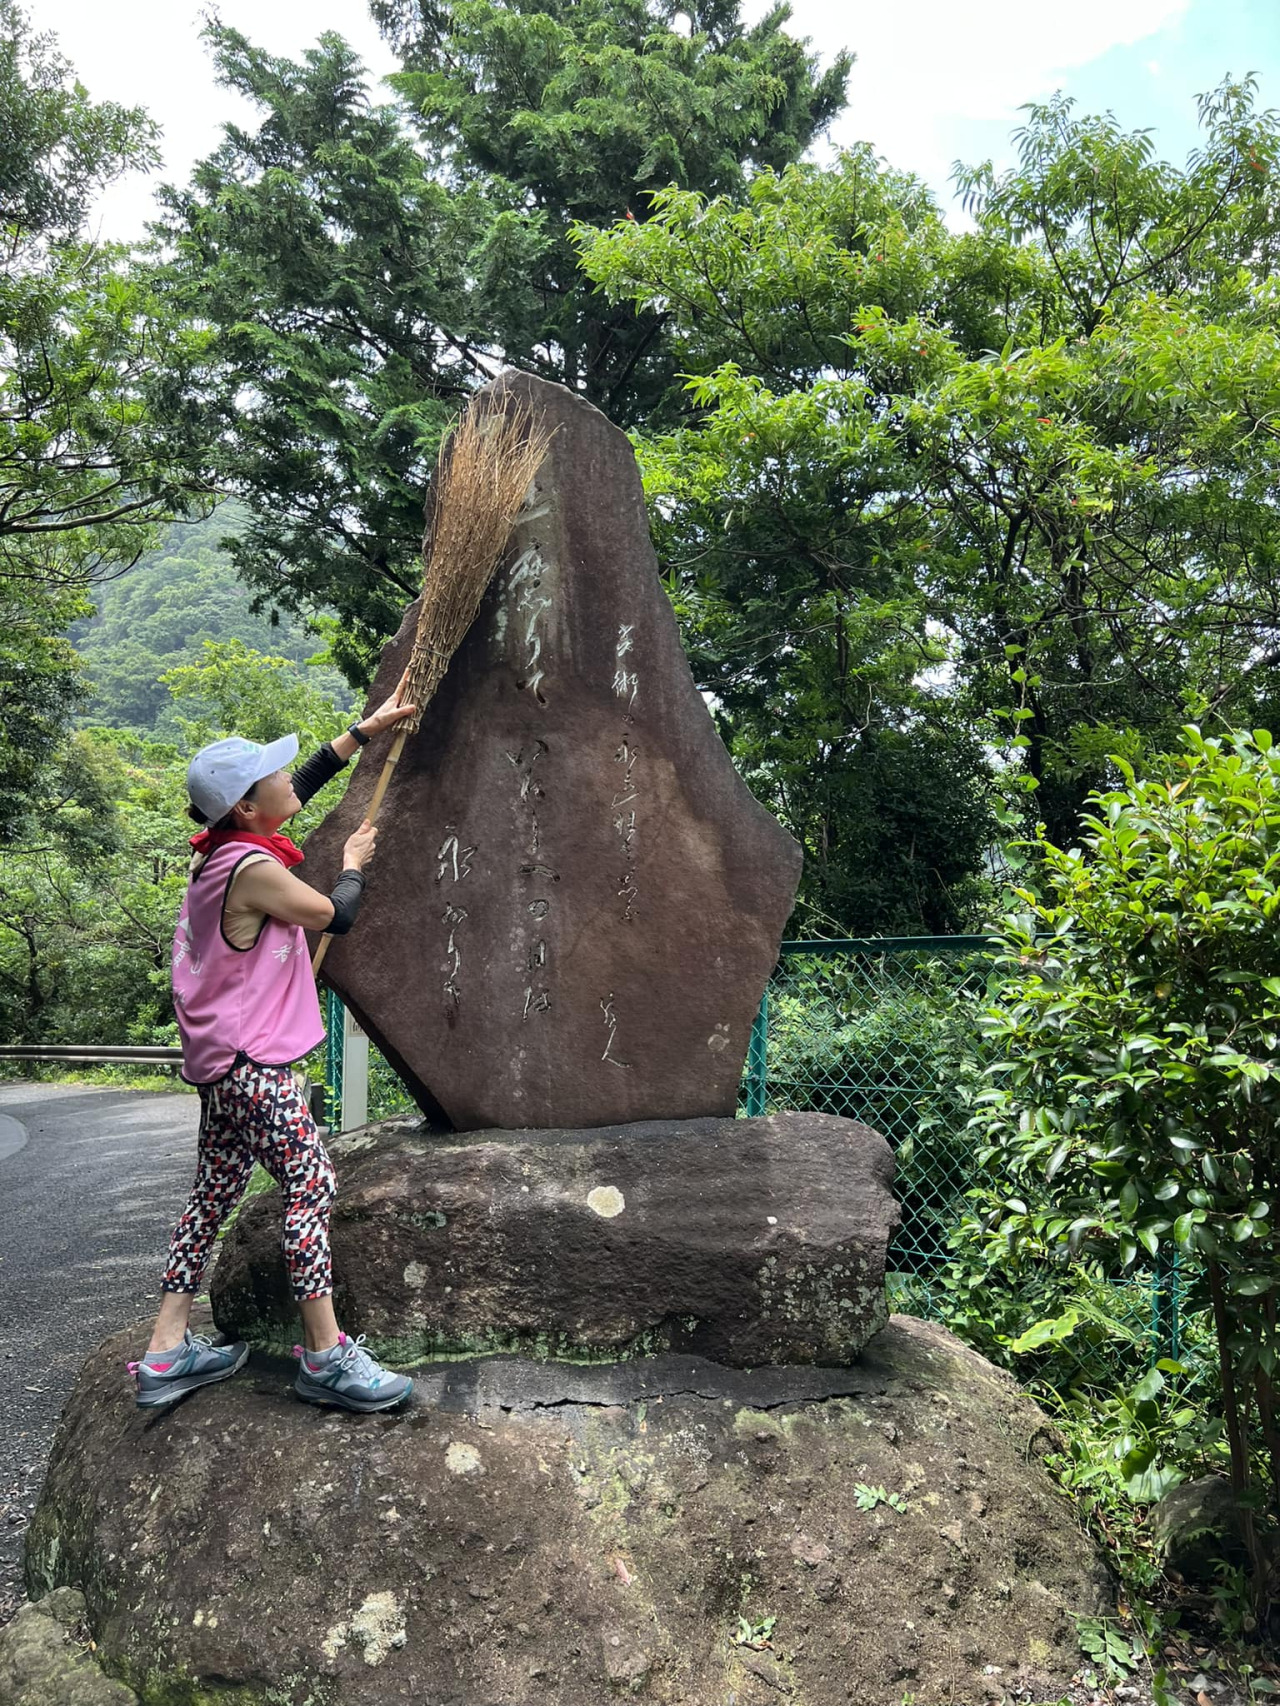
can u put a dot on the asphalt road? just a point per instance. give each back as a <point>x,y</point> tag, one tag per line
<point>91,1182</point>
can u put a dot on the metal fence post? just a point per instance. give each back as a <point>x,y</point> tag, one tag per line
<point>334,1016</point>
<point>758,1060</point>
<point>1166,1324</point>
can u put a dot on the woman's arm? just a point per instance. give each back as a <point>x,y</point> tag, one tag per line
<point>325,763</point>
<point>265,889</point>
<point>390,711</point>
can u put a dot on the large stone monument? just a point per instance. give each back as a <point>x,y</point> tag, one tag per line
<point>576,901</point>
<point>665,1440</point>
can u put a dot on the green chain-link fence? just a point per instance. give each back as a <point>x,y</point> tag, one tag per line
<point>879,1030</point>
<point>875,1030</point>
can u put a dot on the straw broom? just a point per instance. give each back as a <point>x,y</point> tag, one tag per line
<point>484,470</point>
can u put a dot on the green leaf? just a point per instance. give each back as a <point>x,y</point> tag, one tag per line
<point>1052,1331</point>
<point>1151,1383</point>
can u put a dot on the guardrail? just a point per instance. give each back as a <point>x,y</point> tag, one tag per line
<point>75,1054</point>
<point>92,1053</point>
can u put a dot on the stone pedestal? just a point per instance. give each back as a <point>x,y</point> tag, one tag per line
<point>751,1242</point>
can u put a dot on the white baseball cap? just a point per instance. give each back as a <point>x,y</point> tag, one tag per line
<point>223,773</point>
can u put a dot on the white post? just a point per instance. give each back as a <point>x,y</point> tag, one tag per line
<point>355,1073</point>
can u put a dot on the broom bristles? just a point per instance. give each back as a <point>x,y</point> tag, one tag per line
<point>485,468</point>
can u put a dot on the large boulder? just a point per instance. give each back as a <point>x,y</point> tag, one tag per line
<point>748,1241</point>
<point>576,901</point>
<point>530,1532</point>
<point>1198,1528</point>
<point>46,1660</point>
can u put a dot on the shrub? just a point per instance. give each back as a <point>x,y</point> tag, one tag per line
<point>1132,1094</point>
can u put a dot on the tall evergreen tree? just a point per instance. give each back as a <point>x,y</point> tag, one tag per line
<point>362,267</point>
<point>579,110</point>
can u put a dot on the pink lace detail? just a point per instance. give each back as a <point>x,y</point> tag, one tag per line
<point>133,1367</point>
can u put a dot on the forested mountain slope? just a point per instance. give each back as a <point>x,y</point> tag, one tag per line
<point>159,616</point>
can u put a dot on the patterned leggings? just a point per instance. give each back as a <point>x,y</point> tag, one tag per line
<point>256,1113</point>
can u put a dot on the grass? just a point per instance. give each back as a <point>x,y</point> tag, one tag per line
<point>109,1077</point>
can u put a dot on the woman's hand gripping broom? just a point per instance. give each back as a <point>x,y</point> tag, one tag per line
<point>484,472</point>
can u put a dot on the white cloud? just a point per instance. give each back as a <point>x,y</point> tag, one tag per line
<point>925,66</point>
<point>149,53</point>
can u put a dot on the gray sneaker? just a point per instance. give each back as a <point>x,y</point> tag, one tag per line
<point>348,1377</point>
<point>197,1361</point>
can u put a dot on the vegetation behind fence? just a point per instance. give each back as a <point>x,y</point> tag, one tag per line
<point>883,1030</point>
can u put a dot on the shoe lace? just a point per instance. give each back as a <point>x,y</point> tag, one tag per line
<point>355,1360</point>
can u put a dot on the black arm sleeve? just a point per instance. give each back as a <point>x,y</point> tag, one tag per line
<point>346,895</point>
<point>314,772</point>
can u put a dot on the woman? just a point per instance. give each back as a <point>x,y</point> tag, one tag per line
<point>247,1009</point>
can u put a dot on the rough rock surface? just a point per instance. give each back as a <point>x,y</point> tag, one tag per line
<point>45,1660</point>
<point>536,1532</point>
<point>747,1241</point>
<point>1197,1528</point>
<point>576,901</point>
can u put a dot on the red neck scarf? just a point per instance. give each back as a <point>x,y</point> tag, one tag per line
<point>284,849</point>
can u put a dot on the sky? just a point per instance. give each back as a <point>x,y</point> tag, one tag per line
<point>934,81</point>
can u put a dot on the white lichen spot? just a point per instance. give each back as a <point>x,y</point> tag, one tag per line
<point>377,1628</point>
<point>198,1619</point>
<point>606,1201</point>
<point>415,1275</point>
<point>718,1039</point>
<point>461,1459</point>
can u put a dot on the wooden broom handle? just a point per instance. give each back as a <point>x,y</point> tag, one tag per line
<point>392,759</point>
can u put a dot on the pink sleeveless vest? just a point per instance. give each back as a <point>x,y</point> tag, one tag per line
<point>255,1003</point>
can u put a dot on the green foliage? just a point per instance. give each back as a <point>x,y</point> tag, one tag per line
<point>85,929</point>
<point>82,481</point>
<point>1131,1102</point>
<point>1017,483</point>
<point>754,1634</point>
<point>356,281</point>
<point>41,688</point>
<point>568,110</point>
<point>889,1046</point>
<point>234,687</point>
<point>87,905</point>
<point>868,1498</point>
<point>159,616</point>
<point>1116,1653</point>
<point>81,477</point>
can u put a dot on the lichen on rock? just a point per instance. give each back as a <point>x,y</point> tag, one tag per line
<point>375,1629</point>
<point>46,1660</point>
